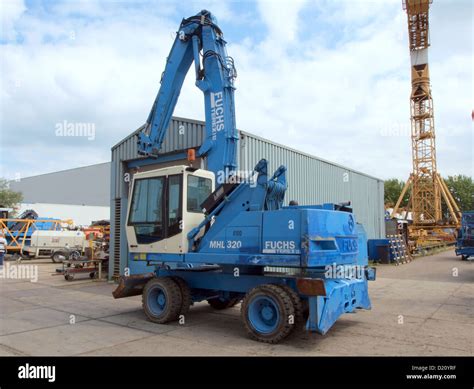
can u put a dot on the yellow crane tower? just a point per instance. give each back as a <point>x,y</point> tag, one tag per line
<point>427,186</point>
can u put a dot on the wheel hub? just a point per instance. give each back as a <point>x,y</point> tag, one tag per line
<point>267,313</point>
<point>161,299</point>
<point>263,314</point>
<point>157,301</point>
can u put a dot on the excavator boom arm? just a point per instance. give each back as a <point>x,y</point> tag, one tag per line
<point>201,41</point>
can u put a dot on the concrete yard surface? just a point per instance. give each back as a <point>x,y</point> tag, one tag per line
<point>425,307</point>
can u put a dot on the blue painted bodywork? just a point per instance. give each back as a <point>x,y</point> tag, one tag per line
<point>319,242</point>
<point>45,224</point>
<point>249,230</point>
<point>201,41</point>
<point>465,239</point>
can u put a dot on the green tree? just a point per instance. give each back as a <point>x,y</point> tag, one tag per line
<point>8,198</point>
<point>392,190</point>
<point>462,189</point>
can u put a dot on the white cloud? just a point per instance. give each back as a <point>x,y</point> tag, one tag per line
<point>350,103</point>
<point>337,88</point>
<point>10,12</point>
<point>281,19</point>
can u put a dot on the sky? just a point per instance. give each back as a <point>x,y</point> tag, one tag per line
<point>327,77</point>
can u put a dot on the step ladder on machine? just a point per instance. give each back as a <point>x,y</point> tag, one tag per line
<point>398,249</point>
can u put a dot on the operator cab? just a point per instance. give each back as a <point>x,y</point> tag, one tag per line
<point>165,204</point>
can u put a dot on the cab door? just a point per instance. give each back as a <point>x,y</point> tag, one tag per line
<point>155,213</point>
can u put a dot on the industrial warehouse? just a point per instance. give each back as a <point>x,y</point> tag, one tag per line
<point>174,236</point>
<point>58,194</point>
<point>330,182</point>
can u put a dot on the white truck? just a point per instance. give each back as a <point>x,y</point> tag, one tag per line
<point>58,245</point>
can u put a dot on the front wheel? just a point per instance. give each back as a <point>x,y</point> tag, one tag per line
<point>268,313</point>
<point>186,297</point>
<point>162,300</point>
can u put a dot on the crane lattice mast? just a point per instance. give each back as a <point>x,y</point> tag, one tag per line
<point>426,184</point>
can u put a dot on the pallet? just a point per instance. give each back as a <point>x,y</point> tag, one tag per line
<point>399,252</point>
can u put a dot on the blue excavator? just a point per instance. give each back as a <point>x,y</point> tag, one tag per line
<point>212,235</point>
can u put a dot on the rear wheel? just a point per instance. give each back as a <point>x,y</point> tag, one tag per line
<point>266,312</point>
<point>162,300</point>
<point>219,303</point>
<point>300,307</point>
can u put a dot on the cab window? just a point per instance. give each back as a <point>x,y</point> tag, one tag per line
<point>199,189</point>
<point>146,212</point>
<point>156,211</point>
<point>174,205</point>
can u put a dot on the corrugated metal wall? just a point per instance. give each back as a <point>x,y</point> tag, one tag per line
<point>310,179</point>
<point>67,186</point>
<point>181,135</point>
<point>315,181</point>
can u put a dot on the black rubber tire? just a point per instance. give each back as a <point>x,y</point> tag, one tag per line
<point>463,257</point>
<point>185,295</point>
<point>220,304</point>
<point>58,253</point>
<point>286,308</point>
<point>298,305</point>
<point>173,298</point>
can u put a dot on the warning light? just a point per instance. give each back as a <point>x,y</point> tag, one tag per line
<point>191,155</point>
